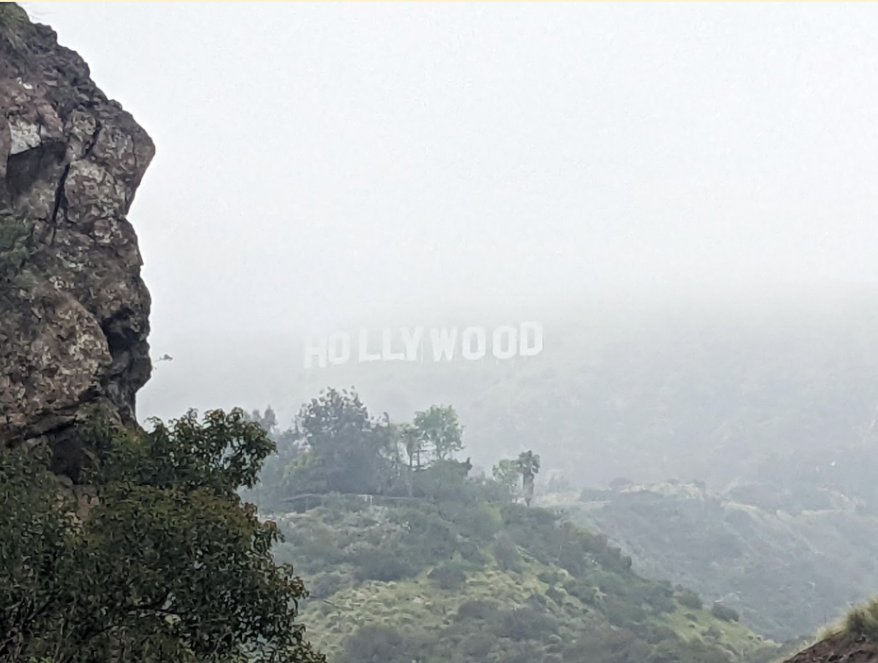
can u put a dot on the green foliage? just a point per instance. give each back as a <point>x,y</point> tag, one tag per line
<point>690,599</point>
<point>449,575</point>
<point>167,564</point>
<point>407,561</point>
<point>380,564</point>
<point>506,473</point>
<point>444,480</point>
<point>863,621</point>
<point>782,581</point>
<point>720,611</point>
<point>506,554</point>
<point>347,450</point>
<point>438,430</point>
<point>438,543</point>
<point>375,644</point>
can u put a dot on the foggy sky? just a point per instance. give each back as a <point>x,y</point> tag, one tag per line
<point>318,163</point>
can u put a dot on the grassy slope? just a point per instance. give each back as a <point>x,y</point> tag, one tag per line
<point>327,541</point>
<point>786,573</point>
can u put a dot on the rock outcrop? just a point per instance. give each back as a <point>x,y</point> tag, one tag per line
<point>839,649</point>
<point>73,308</point>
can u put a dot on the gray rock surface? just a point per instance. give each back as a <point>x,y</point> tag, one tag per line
<point>73,308</point>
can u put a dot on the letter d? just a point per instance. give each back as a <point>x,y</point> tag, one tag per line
<point>530,339</point>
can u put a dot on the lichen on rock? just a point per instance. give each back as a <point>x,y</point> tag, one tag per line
<point>73,307</point>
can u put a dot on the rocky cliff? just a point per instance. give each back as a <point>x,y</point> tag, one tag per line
<point>73,308</point>
<point>839,649</point>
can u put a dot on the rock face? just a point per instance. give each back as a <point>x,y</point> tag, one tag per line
<point>839,649</point>
<point>73,308</point>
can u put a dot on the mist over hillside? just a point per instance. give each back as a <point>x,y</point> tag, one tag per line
<point>694,386</point>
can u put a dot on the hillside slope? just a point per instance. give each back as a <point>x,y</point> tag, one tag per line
<point>787,572</point>
<point>470,581</point>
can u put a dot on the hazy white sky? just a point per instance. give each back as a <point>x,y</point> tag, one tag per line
<point>316,162</point>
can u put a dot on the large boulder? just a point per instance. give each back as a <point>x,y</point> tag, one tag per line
<point>73,308</point>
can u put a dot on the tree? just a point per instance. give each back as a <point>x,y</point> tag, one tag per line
<point>167,564</point>
<point>408,438</point>
<point>267,421</point>
<point>271,487</point>
<point>507,473</point>
<point>529,466</point>
<point>348,451</point>
<point>440,431</point>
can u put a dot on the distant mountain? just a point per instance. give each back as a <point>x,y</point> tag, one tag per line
<point>788,556</point>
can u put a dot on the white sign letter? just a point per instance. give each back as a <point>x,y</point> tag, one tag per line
<point>467,347</point>
<point>386,351</point>
<point>339,348</point>
<point>443,343</point>
<point>535,346</point>
<point>364,347</point>
<point>412,342</point>
<point>315,348</point>
<point>505,348</point>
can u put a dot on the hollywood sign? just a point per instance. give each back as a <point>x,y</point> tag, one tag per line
<point>411,344</point>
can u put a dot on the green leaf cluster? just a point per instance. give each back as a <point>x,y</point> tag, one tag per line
<point>157,559</point>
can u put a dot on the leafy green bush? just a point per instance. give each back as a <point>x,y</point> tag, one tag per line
<point>448,576</point>
<point>620,613</point>
<point>324,585</point>
<point>690,599</point>
<point>375,644</point>
<point>549,577</point>
<point>479,610</point>
<point>555,594</point>
<point>525,624</point>
<point>477,645</point>
<point>167,564</point>
<point>506,554</point>
<point>380,564</point>
<point>722,612</point>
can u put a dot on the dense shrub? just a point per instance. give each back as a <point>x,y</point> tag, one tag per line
<point>659,597</point>
<point>480,610</point>
<point>375,644</point>
<point>607,646</point>
<point>620,613</point>
<point>863,621</point>
<point>722,612</point>
<point>166,565</point>
<point>555,594</point>
<point>380,564</point>
<point>448,575</point>
<point>581,590</point>
<point>525,624</point>
<point>506,554</point>
<point>324,585</point>
<point>549,577</point>
<point>477,645</point>
<point>690,599</point>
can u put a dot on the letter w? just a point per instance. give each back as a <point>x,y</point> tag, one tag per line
<point>443,343</point>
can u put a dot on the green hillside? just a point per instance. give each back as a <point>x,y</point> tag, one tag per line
<point>787,571</point>
<point>464,580</point>
<point>411,557</point>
